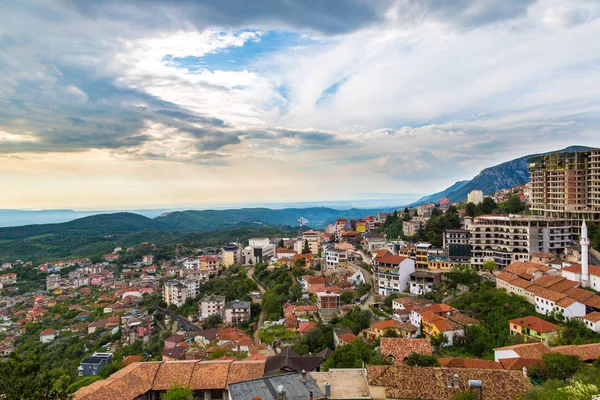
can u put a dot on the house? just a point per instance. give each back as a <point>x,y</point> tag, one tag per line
<point>342,336</point>
<point>91,366</point>
<point>527,350</point>
<point>284,253</point>
<point>304,327</point>
<point>374,241</point>
<point>173,341</point>
<point>328,304</point>
<point>397,350</point>
<point>237,312</point>
<point>147,380</point>
<point>211,305</point>
<point>48,335</point>
<point>175,353</point>
<point>534,327</point>
<point>393,273</point>
<point>308,258</point>
<point>592,321</point>
<point>82,316</point>
<point>422,282</point>
<point>587,353</point>
<point>377,329</point>
<point>307,281</point>
<point>434,383</point>
<point>148,259</point>
<point>335,259</point>
<point>289,361</point>
<point>548,302</point>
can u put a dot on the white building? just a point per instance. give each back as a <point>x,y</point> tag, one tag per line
<point>177,292</point>
<point>192,263</point>
<point>393,273</point>
<point>505,239</point>
<point>374,241</point>
<point>258,251</point>
<point>52,282</point>
<point>335,258</point>
<point>475,196</point>
<point>548,302</point>
<point>211,305</point>
<point>592,321</point>
<point>237,312</point>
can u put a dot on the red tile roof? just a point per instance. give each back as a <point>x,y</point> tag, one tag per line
<point>400,348</point>
<point>455,362</point>
<point>535,323</point>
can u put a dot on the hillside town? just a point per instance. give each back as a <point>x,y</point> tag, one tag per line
<point>488,297</point>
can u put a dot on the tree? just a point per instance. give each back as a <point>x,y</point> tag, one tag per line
<point>465,396</point>
<point>347,298</point>
<point>421,360</point>
<point>178,392</point>
<point>439,341</point>
<point>281,244</point>
<point>306,248</point>
<point>390,333</point>
<point>490,266</point>
<point>561,366</point>
<point>513,205</point>
<point>212,321</point>
<point>488,205</point>
<point>471,209</point>
<point>218,353</point>
<point>272,305</point>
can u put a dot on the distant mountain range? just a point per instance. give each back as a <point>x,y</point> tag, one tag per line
<point>502,176</point>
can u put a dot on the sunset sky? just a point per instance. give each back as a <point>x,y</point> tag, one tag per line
<point>109,104</point>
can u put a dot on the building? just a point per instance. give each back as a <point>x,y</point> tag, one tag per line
<point>475,196</point>
<point>444,201</point>
<point>457,243</point>
<point>592,321</point>
<point>438,260</point>
<point>315,241</point>
<point>48,335</point>
<point>397,350</point>
<point>289,361</point>
<point>258,251</point>
<point>374,241</point>
<point>52,282</point>
<point>211,305</point>
<point>422,282</point>
<point>91,366</point>
<point>296,385</point>
<point>328,304</point>
<point>148,259</point>
<point>231,254</point>
<point>335,258</point>
<point>392,273</point>
<point>534,328</point>
<point>237,312</point>
<point>342,224</point>
<point>174,293</point>
<point>209,263</point>
<point>567,186</point>
<point>505,239</point>
<point>422,255</point>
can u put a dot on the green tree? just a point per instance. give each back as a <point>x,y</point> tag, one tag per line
<point>347,298</point>
<point>280,244</point>
<point>471,209</point>
<point>421,360</point>
<point>488,205</point>
<point>272,305</point>
<point>306,248</point>
<point>561,366</point>
<point>513,205</point>
<point>490,266</point>
<point>465,396</point>
<point>212,321</point>
<point>218,353</point>
<point>178,392</point>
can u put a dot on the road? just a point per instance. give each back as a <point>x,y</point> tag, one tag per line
<point>261,317</point>
<point>187,325</point>
<point>368,279</point>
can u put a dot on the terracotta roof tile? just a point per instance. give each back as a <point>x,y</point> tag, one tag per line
<point>455,362</point>
<point>506,277</point>
<point>385,324</point>
<point>586,352</point>
<point>535,323</point>
<point>551,295</point>
<point>528,350</point>
<point>402,382</point>
<point>517,363</point>
<point>209,375</point>
<point>171,372</point>
<point>548,280</point>
<point>593,317</point>
<point>400,348</point>
<point>246,370</point>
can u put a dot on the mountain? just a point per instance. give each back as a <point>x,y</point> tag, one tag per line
<point>502,176</point>
<point>316,217</point>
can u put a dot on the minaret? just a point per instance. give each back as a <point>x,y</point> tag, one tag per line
<point>585,243</point>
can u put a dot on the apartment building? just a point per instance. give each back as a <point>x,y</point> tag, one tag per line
<point>566,185</point>
<point>211,305</point>
<point>475,196</point>
<point>177,292</point>
<point>422,255</point>
<point>231,254</point>
<point>457,242</point>
<point>315,241</point>
<point>328,304</point>
<point>505,239</point>
<point>237,312</point>
<point>52,282</point>
<point>335,258</point>
<point>393,273</point>
<point>258,251</point>
<point>210,264</point>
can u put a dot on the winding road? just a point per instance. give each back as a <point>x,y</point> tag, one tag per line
<point>261,318</point>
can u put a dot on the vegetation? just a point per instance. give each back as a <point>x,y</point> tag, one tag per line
<point>353,355</point>
<point>421,360</point>
<point>582,385</point>
<point>356,320</point>
<point>178,392</point>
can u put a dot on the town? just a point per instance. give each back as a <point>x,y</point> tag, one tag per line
<point>488,298</point>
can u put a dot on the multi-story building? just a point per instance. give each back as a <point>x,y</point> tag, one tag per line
<point>475,196</point>
<point>174,293</point>
<point>422,255</point>
<point>148,259</point>
<point>237,312</point>
<point>315,241</point>
<point>231,254</point>
<point>438,260</point>
<point>8,278</point>
<point>53,282</point>
<point>335,258</point>
<point>258,251</point>
<point>424,210</point>
<point>566,185</point>
<point>393,273</point>
<point>328,304</point>
<point>209,264</point>
<point>211,305</point>
<point>505,239</point>
<point>457,243</point>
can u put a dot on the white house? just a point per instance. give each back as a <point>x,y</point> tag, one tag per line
<point>592,321</point>
<point>192,263</point>
<point>548,302</point>
<point>393,273</point>
<point>357,278</point>
<point>335,258</point>
<point>48,335</point>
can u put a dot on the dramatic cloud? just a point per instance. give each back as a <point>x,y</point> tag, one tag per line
<point>247,101</point>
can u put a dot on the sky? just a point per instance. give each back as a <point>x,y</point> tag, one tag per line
<point>109,104</point>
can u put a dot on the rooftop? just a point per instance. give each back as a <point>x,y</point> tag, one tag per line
<point>535,323</point>
<point>345,383</point>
